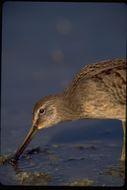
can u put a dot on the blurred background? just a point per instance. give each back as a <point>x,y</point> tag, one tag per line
<point>43,46</point>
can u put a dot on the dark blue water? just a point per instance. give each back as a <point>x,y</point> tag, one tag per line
<point>43,46</point>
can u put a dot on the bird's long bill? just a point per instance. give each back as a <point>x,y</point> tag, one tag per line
<point>26,141</point>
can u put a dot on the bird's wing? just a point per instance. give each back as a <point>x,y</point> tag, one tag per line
<point>95,69</point>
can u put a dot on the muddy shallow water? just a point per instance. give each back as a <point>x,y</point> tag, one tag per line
<point>83,164</point>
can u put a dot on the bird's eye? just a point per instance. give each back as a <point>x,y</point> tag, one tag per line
<point>41,111</point>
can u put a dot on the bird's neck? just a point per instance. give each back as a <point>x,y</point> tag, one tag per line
<point>69,110</point>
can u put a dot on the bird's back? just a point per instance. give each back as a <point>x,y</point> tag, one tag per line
<point>100,85</point>
<point>93,70</point>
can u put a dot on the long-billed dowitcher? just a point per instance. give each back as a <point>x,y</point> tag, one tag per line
<point>97,91</point>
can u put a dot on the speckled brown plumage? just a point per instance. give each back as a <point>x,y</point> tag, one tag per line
<point>98,87</point>
<point>105,68</point>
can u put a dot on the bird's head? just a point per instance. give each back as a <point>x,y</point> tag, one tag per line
<point>46,113</point>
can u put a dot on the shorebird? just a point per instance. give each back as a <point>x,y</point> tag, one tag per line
<point>98,91</point>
